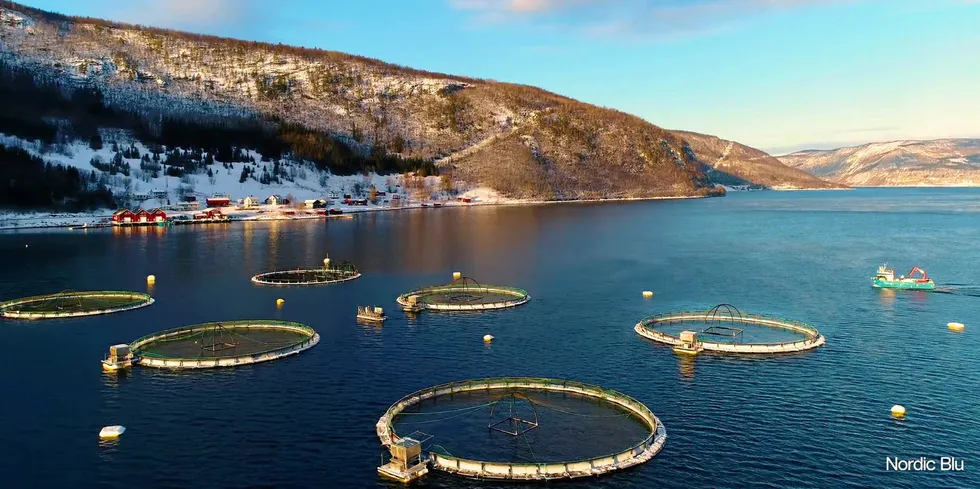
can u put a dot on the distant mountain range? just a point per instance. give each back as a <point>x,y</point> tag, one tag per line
<point>734,164</point>
<point>933,163</point>
<point>68,79</point>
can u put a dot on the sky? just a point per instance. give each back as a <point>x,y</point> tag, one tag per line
<point>778,75</point>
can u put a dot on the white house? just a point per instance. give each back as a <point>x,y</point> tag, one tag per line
<point>274,200</point>
<point>250,201</point>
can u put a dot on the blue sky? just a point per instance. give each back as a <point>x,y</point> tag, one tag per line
<point>779,75</point>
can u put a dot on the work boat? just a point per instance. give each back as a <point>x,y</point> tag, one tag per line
<point>885,279</point>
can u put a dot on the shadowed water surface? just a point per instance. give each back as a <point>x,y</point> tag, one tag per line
<point>817,419</point>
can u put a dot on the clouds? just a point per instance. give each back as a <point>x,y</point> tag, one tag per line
<point>196,15</point>
<point>638,19</point>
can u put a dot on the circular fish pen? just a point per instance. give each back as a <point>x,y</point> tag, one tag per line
<point>223,344</point>
<point>517,428</point>
<point>70,303</point>
<point>331,273</point>
<point>463,294</point>
<point>724,328</point>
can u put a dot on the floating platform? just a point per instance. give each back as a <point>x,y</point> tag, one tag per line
<point>224,344</point>
<point>69,304</point>
<point>405,455</point>
<point>463,294</point>
<point>647,328</point>
<point>371,314</point>
<point>120,356</point>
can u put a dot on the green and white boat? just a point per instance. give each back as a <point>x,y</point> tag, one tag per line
<point>885,279</point>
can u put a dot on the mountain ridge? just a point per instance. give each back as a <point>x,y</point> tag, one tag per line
<point>340,108</point>
<point>931,162</point>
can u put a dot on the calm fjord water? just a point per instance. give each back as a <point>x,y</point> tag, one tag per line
<point>818,419</point>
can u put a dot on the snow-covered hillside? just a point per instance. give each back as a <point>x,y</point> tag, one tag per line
<point>148,186</point>
<point>342,112</point>
<point>940,162</point>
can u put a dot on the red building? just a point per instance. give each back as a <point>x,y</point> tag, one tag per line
<point>157,215</point>
<point>123,216</point>
<point>209,215</point>
<point>142,217</point>
<point>218,201</point>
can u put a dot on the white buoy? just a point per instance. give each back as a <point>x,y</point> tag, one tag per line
<point>457,275</point>
<point>280,302</point>
<point>647,294</point>
<point>151,279</point>
<point>488,338</point>
<point>112,431</point>
<point>898,411</point>
<point>956,326</point>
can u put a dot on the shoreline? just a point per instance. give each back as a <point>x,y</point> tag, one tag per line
<point>91,220</point>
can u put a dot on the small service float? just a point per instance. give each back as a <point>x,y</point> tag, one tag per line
<point>885,279</point>
<point>371,314</point>
<point>119,357</point>
<point>70,303</point>
<point>517,428</point>
<point>744,333</point>
<point>332,272</point>
<point>462,294</point>
<point>222,344</point>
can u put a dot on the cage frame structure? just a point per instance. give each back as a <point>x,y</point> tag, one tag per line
<point>159,361</point>
<point>812,338</point>
<point>461,288</point>
<point>344,270</point>
<point>636,454</point>
<point>140,300</point>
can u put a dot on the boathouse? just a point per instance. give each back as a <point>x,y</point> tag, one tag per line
<point>142,216</point>
<point>123,216</point>
<point>157,215</point>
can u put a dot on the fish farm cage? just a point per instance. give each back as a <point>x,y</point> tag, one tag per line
<point>71,303</point>
<point>341,271</point>
<point>517,428</point>
<point>728,326</point>
<point>463,294</point>
<point>223,344</point>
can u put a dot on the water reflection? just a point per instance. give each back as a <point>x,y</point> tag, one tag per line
<point>887,298</point>
<point>685,365</point>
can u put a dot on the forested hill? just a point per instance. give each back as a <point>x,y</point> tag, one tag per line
<point>65,79</point>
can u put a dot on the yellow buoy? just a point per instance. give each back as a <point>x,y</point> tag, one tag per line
<point>151,279</point>
<point>898,411</point>
<point>457,275</point>
<point>647,294</point>
<point>488,338</point>
<point>956,326</point>
<point>280,302</point>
